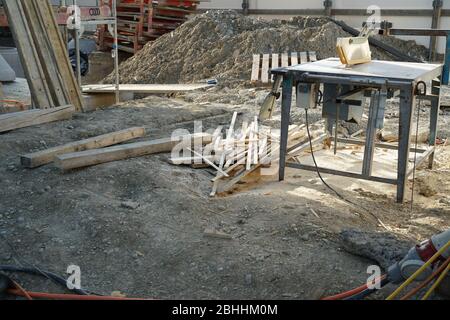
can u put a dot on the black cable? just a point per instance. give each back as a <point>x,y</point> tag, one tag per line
<point>326,184</point>
<point>37,271</point>
<point>368,292</point>
<point>54,277</point>
<point>315,162</point>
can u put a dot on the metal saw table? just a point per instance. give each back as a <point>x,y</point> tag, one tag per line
<point>379,80</point>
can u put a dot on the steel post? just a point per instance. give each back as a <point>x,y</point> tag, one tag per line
<point>285,116</point>
<point>434,118</point>
<point>407,102</point>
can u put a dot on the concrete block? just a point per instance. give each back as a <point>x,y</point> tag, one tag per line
<point>7,74</point>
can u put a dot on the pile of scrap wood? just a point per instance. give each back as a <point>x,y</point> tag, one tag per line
<point>43,54</point>
<point>105,148</point>
<point>253,148</point>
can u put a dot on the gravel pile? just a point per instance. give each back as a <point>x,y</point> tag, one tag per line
<point>220,44</point>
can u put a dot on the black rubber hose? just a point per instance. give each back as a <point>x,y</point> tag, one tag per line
<point>5,283</point>
<point>367,292</point>
<point>60,280</point>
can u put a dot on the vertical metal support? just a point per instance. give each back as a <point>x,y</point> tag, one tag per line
<point>116,51</point>
<point>407,102</point>
<point>434,118</point>
<point>370,134</point>
<point>437,11</point>
<point>245,7</point>
<point>328,4</point>
<point>336,130</point>
<point>286,101</point>
<point>445,75</point>
<point>76,35</point>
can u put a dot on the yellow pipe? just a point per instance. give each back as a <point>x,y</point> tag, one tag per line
<point>436,283</point>
<point>418,272</point>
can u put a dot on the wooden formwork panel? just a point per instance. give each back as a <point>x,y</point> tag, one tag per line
<point>263,63</point>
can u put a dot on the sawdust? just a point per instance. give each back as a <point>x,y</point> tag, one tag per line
<point>220,44</point>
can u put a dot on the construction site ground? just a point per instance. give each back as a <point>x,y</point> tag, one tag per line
<point>137,226</point>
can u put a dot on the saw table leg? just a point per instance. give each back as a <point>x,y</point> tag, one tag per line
<point>407,103</point>
<point>434,118</point>
<point>285,116</point>
<point>377,103</point>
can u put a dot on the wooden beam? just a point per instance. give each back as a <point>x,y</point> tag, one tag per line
<point>16,120</point>
<point>93,157</point>
<point>145,88</point>
<point>36,159</point>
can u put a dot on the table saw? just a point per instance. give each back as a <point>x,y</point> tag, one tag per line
<point>344,90</point>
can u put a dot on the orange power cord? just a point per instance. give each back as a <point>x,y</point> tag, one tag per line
<point>350,293</point>
<point>61,296</point>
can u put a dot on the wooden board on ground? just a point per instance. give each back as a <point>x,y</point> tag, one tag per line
<point>145,88</point>
<point>36,159</point>
<point>16,120</point>
<point>138,149</point>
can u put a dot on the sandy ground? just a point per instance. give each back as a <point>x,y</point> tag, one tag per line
<point>286,237</point>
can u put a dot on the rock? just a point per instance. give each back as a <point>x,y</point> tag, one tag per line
<point>427,186</point>
<point>248,279</point>
<point>130,205</point>
<point>384,248</point>
<point>305,237</point>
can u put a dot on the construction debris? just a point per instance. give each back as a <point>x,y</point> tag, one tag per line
<point>245,151</point>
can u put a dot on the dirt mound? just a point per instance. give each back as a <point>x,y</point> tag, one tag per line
<point>220,44</point>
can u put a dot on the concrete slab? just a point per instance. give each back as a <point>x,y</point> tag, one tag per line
<point>7,74</point>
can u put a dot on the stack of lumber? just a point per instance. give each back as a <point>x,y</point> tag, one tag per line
<point>101,149</point>
<point>244,151</point>
<point>43,54</point>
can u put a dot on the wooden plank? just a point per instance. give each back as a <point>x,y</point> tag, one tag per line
<point>61,55</point>
<point>227,145</point>
<point>33,117</point>
<point>294,59</point>
<point>144,88</point>
<point>303,57</point>
<point>284,60</point>
<point>36,159</point>
<point>275,60</point>
<point>255,67</point>
<point>45,53</point>
<point>97,156</point>
<point>265,69</point>
<point>28,55</point>
<point>312,56</point>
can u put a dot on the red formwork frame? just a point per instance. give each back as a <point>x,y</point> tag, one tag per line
<point>141,21</point>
